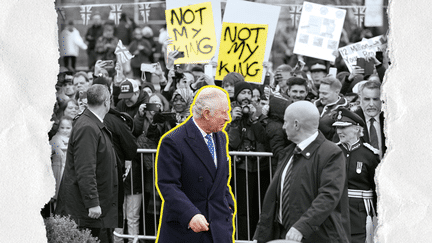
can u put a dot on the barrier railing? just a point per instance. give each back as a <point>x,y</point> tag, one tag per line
<point>235,155</point>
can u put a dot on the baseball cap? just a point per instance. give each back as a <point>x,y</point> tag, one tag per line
<point>318,67</point>
<point>128,88</point>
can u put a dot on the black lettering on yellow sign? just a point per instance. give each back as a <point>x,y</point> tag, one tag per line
<point>244,41</point>
<point>197,42</point>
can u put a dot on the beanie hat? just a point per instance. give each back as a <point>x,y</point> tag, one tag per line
<point>233,78</point>
<point>238,87</point>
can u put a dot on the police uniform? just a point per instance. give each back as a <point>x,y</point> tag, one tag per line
<point>361,161</point>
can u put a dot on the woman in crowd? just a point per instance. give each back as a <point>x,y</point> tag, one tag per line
<point>59,144</point>
<point>67,109</point>
<point>361,161</point>
<point>181,100</point>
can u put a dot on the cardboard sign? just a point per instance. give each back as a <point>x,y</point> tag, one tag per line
<point>242,50</point>
<point>244,12</point>
<point>319,31</point>
<point>216,8</point>
<point>374,13</point>
<point>193,32</point>
<point>363,49</point>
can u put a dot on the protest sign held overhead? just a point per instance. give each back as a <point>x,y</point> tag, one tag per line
<point>363,49</point>
<point>255,15</point>
<point>319,31</point>
<point>193,32</point>
<point>241,50</point>
<point>374,13</point>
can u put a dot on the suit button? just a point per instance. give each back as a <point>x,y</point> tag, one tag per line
<point>200,178</point>
<point>113,204</point>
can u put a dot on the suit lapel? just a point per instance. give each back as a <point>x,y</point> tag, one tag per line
<point>383,146</point>
<point>221,160</point>
<point>285,159</point>
<point>199,147</point>
<point>365,128</point>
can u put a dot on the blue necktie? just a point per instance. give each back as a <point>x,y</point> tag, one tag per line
<point>210,146</point>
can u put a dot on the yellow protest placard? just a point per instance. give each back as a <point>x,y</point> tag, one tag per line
<point>242,48</point>
<point>193,32</point>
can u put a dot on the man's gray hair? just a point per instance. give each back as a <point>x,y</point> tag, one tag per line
<point>372,84</point>
<point>97,94</point>
<point>207,100</point>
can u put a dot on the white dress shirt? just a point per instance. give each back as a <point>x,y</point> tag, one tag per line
<point>377,126</point>
<point>204,134</point>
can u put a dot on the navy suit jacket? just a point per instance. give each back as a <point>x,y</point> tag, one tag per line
<point>190,184</point>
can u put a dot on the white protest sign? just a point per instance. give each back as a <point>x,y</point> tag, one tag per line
<point>365,48</point>
<point>374,13</point>
<point>319,31</point>
<point>244,12</point>
<point>216,9</point>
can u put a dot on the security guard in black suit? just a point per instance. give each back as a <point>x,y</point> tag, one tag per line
<point>361,161</point>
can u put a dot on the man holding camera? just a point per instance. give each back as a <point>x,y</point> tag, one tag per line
<point>247,134</point>
<point>131,98</point>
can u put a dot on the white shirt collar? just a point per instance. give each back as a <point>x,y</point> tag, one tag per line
<point>100,119</point>
<point>367,118</point>
<point>303,144</point>
<point>199,128</point>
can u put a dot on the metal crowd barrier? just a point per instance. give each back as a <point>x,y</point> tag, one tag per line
<point>233,154</point>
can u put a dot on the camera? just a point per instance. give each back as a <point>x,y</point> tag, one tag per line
<point>245,109</point>
<point>178,72</point>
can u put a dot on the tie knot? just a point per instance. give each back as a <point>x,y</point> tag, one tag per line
<point>372,120</point>
<point>208,136</point>
<point>297,150</point>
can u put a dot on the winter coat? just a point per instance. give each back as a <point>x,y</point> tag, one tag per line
<point>133,110</point>
<point>90,178</point>
<point>143,56</point>
<point>70,42</point>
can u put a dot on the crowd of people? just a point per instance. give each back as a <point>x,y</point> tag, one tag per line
<point>142,106</point>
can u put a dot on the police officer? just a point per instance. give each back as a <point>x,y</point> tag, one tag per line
<point>361,161</point>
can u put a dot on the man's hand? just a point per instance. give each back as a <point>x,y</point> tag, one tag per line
<point>199,223</point>
<point>98,67</point>
<point>236,113</point>
<point>141,109</point>
<point>265,110</point>
<point>356,70</point>
<point>294,234</point>
<point>95,212</point>
<point>171,59</point>
<point>205,78</point>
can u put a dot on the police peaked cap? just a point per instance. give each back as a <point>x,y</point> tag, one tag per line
<point>347,118</point>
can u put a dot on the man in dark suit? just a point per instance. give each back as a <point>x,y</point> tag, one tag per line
<point>89,188</point>
<point>307,200</point>
<point>370,112</point>
<point>193,174</point>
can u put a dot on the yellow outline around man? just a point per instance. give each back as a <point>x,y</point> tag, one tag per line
<point>193,173</point>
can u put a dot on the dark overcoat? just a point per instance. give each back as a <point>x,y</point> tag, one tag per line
<point>90,177</point>
<point>319,201</point>
<point>190,184</point>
